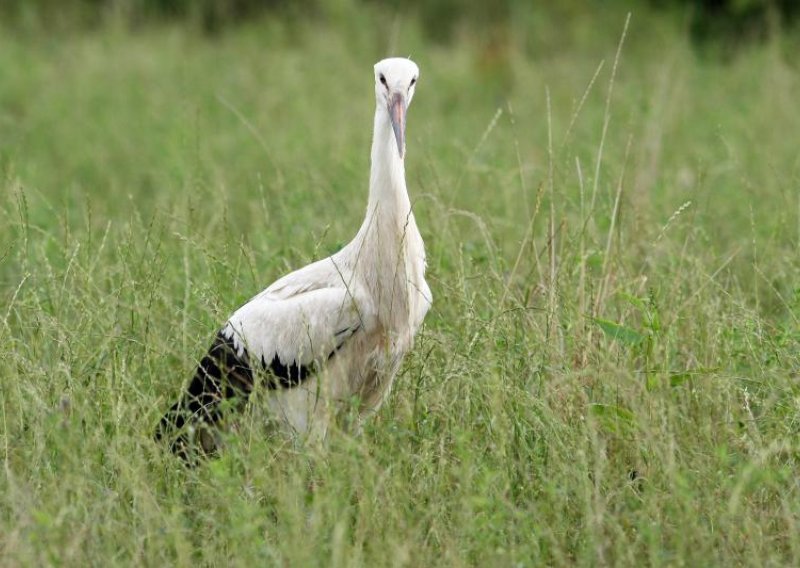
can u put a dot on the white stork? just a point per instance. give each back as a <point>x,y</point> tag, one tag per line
<point>334,329</point>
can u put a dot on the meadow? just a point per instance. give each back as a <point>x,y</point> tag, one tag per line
<point>609,375</point>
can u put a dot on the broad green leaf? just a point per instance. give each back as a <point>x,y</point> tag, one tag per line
<point>620,332</point>
<point>678,379</point>
<point>638,303</point>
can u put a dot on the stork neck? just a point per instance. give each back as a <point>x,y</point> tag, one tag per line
<point>387,181</point>
<point>388,216</point>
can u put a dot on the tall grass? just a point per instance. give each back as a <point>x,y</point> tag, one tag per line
<point>609,374</point>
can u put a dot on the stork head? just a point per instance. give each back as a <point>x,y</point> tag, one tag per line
<point>395,81</point>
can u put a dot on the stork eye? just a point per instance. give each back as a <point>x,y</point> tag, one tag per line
<point>413,81</point>
<point>383,80</point>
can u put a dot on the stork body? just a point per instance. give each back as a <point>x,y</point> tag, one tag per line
<point>334,329</point>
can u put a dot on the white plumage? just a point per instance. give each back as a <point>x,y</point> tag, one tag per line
<point>338,327</point>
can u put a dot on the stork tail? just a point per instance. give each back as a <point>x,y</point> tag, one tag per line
<point>191,424</point>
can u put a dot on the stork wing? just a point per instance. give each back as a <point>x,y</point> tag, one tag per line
<point>290,328</point>
<point>290,334</point>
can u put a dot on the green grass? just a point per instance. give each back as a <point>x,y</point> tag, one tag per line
<point>152,181</point>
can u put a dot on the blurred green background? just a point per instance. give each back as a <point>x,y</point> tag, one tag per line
<point>716,20</point>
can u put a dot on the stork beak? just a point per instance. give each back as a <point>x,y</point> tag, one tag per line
<point>397,113</point>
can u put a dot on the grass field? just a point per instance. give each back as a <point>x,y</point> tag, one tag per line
<point>610,374</point>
